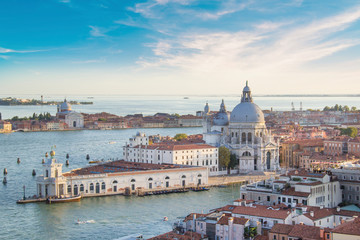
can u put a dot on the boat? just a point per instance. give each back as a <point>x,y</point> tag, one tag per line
<point>165,219</point>
<point>85,222</point>
<point>186,97</point>
<point>63,200</point>
<point>199,189</point>
<point>95,161</point>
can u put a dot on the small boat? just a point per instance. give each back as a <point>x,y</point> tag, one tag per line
<point>95,161</point>
<point>112,142</point>
<point>200,189</point>
<point>63,200</point>
<point>186,97</point>
<point>85,222</point>
<point>165,219</point>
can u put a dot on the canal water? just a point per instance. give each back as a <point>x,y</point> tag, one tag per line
<point>113,217</point>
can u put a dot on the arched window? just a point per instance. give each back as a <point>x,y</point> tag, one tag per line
<point>69,189</point>
<point>232,134</point>
<point>114,182</point>
<point>268,156</point>
<point>243,138</point>
<point>76,190</point>
<point>207,162</point>
<point>81,187</point>
<point>103,186</point>
<point>150,179</point>
<point>183,176</point>
<point>249,138</point>
<point>133,180</point>
<point>199,175</point>
<point>91,187</point>
<point>246,153</point>
<point>167,177</point>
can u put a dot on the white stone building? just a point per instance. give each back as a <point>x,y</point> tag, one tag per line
<point>115,177</point>
<point>71,118</point>
<point>244,132</point>
<point>296,187</point>
<point>139,150</point>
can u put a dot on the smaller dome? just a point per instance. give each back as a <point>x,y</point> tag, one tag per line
<point>221,119</point>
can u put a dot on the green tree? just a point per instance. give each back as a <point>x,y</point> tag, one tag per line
<point>346,108</point>
<point>180,136</point>
<point>353,109</point>
<point>250,233</point>
<point>327,108</point>
<point>224,157</point>
<point>350,131</point>
<point>233,160</point>
<point>336,107</point>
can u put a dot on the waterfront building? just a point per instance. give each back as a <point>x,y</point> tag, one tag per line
<point>71,118</point>
<point>140,150</point>
<point>313,189</point>
<point>5,127</point>
<point>349,179</point>
<point>116,177</point>
<point>244,133</point>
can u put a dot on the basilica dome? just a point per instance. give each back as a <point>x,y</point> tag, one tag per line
<point>65,106</point>
<point>247,111</point>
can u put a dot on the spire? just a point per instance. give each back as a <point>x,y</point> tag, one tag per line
<point>222,106</point>
<point>206,108</point>
<point>246,96</point>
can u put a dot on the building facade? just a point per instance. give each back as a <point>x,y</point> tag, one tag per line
<point>71,118</point>
<point>244,133</point>
<point>139,150</point>
<point>116,177</point>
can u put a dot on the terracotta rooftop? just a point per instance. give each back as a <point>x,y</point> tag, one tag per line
<point>303,173</point>
<point>261,211</point>
<point>291,192</point>
<point>173,235</point>
<point>320,213</point>
<point>172,146</point>
<point>191,216</point>
<point>310,183</point>
<point>224,220</point>
<point>349,228</point>
<point>305,232</point>
<point>281,228</point>
<point>121,166</point>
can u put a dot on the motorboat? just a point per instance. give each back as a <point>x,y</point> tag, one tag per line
<point>63,200</point>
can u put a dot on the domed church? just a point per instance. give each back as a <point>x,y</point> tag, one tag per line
<point>71,118</point>
<point>244,133</point>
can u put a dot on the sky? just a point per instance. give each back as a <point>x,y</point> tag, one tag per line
<point>179,47</point>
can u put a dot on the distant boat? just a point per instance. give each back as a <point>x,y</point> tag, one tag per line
<point>84,222</point>
<point>186,97</point>
<point>166,218</point>
<point>200,189</point>
<point>63,200</point>
<point>112,142</point>
<point>90,97</point>
<point>98,161</point>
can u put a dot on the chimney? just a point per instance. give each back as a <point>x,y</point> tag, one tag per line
<point>231,220</point>
<point>322,233</point>
<point>338,209</point>
<point>312,213</point>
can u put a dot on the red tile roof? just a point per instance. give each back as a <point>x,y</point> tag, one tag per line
<point>173,235</point>
<point>261,211</point>
<point>291,192</point>
<point>224,220</point>
<point>349,228</point>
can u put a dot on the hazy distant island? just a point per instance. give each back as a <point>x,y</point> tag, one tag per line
<point>10,101</point>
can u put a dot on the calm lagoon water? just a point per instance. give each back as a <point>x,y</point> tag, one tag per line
<point>114,216</point>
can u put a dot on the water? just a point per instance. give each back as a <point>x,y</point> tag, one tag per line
<point>114,216</point>
<point>149,105</point>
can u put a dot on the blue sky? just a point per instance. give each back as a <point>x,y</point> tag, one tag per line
<point>179,47</point>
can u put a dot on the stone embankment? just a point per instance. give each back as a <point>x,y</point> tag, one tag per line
<point>243,179</point>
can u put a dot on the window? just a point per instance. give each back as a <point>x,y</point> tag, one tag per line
<point>133,180</point>
<point>69,189</point>
<point>47,173</point>
<point>81,187</point>
<point>268,198</point>
<point>91,187</point>
<point>103,186</point>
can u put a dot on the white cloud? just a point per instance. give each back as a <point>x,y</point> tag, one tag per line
<point>97,31</point>
<point>275,49</point>
<point>90,61</point>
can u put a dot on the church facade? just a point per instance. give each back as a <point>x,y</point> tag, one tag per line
<point>71,118</point>
<point>244,133</point>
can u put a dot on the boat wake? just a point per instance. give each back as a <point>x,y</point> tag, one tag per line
<point>85,222</point>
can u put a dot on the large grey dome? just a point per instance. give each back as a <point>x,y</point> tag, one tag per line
<point>247,112</point>
<point>65,106</point>
<point>221,119</point>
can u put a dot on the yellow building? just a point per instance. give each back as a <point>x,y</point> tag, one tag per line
<point>5,127</point>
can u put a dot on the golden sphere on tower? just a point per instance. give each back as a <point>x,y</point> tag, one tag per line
<point>52,153</point>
